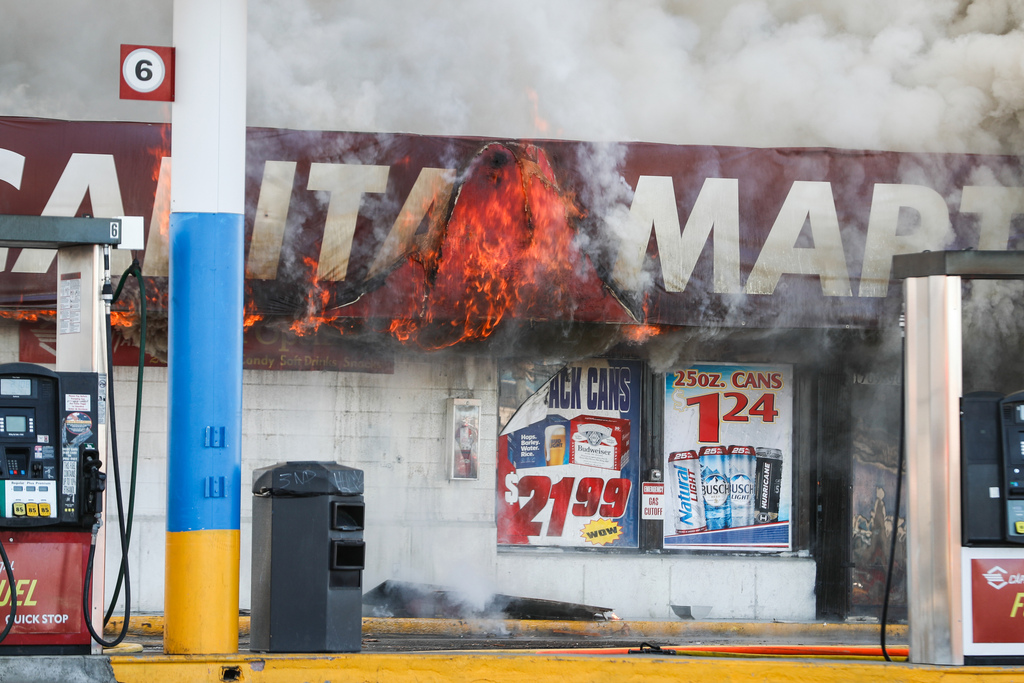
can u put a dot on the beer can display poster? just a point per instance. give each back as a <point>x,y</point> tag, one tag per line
<point>568,460</point>
<point>728,457</point>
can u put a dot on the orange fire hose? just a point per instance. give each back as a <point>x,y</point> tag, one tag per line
<point>816,651</point>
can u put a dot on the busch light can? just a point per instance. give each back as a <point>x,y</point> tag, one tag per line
<point>686,492</point>
<point>740,469</point>
<point>715,479</point>
<point>768,485</point>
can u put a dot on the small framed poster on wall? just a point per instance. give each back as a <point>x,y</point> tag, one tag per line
<point>463,442</point>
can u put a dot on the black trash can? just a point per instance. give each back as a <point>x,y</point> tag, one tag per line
<point>308,558</point>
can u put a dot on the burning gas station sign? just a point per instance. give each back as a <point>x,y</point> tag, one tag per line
<point>435,241</point>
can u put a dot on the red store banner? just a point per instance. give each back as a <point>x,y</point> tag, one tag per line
<point>434,241</point>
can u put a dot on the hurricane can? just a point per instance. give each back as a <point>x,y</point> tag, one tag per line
<point>715,484</point>
<point>740,470</point>
<point>685,489</point>
<point>768,485</point>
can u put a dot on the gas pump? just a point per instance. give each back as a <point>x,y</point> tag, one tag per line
<point>53,441</point>
<point>50,492</point>
<point>965,475</point>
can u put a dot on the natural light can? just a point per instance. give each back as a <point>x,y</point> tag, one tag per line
<point>686,492</point>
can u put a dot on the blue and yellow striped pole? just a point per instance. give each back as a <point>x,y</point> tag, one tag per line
<point>205,328</point>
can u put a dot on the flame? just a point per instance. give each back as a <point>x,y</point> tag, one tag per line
<point>123,318</point>
<point>508,249</point>
<point>316,304</point>
<point>250,315</point>
<point>160,151</point>
<point>501,244</point>
<point>30,316</point>
<point>162,209</point>
<point>637,334</point>
<point>539,123</point>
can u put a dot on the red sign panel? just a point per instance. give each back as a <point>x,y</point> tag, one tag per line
<point>264,348</point>
<point>997,600</point>
<point>433,241</point>
<point>49,572</point>
<point>147,73</point>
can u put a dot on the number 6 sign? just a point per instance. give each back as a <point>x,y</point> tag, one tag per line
<point>147,73</point>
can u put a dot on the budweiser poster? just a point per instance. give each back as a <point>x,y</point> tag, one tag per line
<point>569,460</point>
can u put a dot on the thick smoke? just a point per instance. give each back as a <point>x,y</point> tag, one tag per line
<point>916,76</point>
<point>909,76</point>
<point>921,75</point>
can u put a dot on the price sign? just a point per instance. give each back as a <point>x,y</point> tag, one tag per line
<point>568,476</point>
<point>728,456</point>
<point>544,505</point>
<point>147,73</point>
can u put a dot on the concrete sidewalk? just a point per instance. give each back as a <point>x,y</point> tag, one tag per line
<point>447,661</point>
<point>527,651</point>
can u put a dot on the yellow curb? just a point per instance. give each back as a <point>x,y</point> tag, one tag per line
<point>532,668</point>
<point>153,625</point>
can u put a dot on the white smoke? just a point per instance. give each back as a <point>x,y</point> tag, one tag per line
<point>916,75</point>
<point>907,76</point>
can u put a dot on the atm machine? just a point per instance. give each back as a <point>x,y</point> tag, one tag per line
<point>965,475</point>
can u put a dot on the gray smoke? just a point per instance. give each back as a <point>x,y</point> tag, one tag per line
<point>917,75</point>
<point>920,75</point>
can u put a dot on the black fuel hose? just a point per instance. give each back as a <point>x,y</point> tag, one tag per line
<point>12,591</point>
<point>134,270</point>
<point>899,488</point>
<point>108,297</point>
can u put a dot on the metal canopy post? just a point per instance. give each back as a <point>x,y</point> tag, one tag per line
<point>933,380</point>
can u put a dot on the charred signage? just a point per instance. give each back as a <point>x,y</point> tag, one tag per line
<point>434,241</point>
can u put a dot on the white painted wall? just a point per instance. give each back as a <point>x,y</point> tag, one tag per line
<point>420,526</point>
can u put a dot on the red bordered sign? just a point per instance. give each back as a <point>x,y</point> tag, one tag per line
<point>147,73</point>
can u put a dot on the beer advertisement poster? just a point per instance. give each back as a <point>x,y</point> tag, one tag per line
<point>568,460</point>
<point>728,455</point>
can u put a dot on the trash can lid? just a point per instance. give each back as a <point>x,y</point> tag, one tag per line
<point>307,478</point>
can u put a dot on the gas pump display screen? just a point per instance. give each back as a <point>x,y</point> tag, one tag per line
<point>17,424</point>
<point>15,387</point>
<point>1020,412</point>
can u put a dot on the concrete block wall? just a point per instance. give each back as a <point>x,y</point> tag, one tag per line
<point>420,525</point>
<point>390,426</point>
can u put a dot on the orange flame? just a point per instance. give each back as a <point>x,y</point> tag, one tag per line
<point>504,246</point>
<point>30,316</point>
<point>317,302</point>
<point>637,334</point>
<point>539,123</point>
<point>508,249</point>
<point>250,316</point>
<point>122,318</point>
